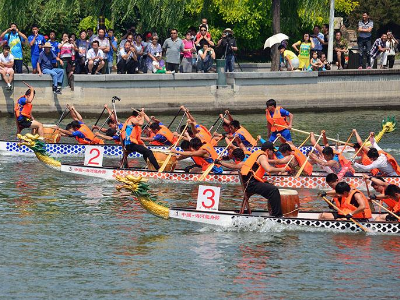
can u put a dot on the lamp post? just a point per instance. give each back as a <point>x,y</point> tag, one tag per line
<point>331,30</point>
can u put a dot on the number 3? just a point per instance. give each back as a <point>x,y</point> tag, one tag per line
<point>92,160</point>
<point>211,198</point>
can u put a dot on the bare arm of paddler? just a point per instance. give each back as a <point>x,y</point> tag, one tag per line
<point>321,162</point>
<point>263,161</point>
<point>314,141</point>
<point>360,141</point>
<point>229,165</point>
<point>200,153</point>
<point>74,113</point>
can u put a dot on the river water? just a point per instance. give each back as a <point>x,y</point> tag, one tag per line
<point>71,237</point>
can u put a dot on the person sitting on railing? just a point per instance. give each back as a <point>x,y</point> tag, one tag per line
<point>6,66</point>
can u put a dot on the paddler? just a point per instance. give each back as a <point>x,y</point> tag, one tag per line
<point>79,130</point>
<point>161,136</point>
<point>114,127</point>
<point>335,161</point>
<point>253,170</point>
<point>352,204</point>
<point>393,192</point>
<point>239,131</point>
<point>239,156</point>
<point>23,112</point>
<point>279,120</point>
<point>130,135</point>
<point>203,155</point>
<point>294,157</point>
<point>381,160</point>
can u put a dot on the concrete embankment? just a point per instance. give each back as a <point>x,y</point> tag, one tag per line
<point>245,91</point>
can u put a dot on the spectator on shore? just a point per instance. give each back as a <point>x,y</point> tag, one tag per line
<point>90,36</point>
<point>127,59</point>
<point>315,62</point>
<point>392,45</point>
<point>6,66</point>
<point>228,45</point>
<point>290,59</point>
<point>304,51</point>
<point>129,31</point>
<point>153,48</point>
<point>83,47</point>
<point>325,64</point>
<point>66,51</point>
<point>44,66</point>
<point>173,47</point>
<point>325,32</point>
<point>36,42</point>
<point>54,46</point>
<point>188,50</point>
<point>341,51</point>
<point>139,50</point>
<point>113,47</point>
<point>203,34</point>
<point>95,59</point>
<point>204,21</point>
<point>104,46</point>
<point>365,27</point>
<point>379,51</point>
<point>206,58</point>
<point>159,65</point>
<point>15,39</point>
<point>129,38</point>
<point>318,40</point>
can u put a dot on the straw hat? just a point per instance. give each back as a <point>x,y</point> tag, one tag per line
<point>228,30</point>
<point>47,45</point>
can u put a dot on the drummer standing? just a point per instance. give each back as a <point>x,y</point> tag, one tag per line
<point>23,112</point>
<point>130,135</point>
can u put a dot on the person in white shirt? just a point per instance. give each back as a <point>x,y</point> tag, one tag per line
<point>6,66</point>
<point>379,161</point>
<point>95,59</point>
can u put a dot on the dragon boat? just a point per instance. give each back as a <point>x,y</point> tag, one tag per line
<point>316,181</point>
<point>256,220</point>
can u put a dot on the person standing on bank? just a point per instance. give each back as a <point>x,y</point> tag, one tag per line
<point>15,38</point>
<point>36,42</point>
<point>45,66</point>
<point>365,27</point>
<point>173,47</point>
<point>318,40</point>
<point>228,44</point>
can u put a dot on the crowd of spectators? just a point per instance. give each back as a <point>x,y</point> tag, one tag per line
<point>313,48</point>
<point>102,53</point>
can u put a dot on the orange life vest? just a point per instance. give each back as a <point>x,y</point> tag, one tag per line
<point>344,163</point>
<point>242,131</point>
<point>154,143</point>
<point>391,161</point>
<point>396,208</point>
<point>164,131</point>
<point>301,159</point>
<point>23,110</point>
<point>276,119</point>
<point>249,164</point>
<point>90,138</point>
<point>201,161</point>
<point>134,136</point>
<point>346,207</point>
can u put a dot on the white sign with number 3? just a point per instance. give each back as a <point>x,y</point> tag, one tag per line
<point>94,156</point>
<point>208,198</point>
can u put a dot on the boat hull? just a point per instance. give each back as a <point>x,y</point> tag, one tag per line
<point>309,182</point>
<point>260,220</point>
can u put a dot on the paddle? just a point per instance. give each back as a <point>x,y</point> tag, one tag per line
<point>63,116</point>
<point>214,123</point>
<point>209,168</point>
<point>180,122</point>
<point>362,146</point>
<point>390,212</point>
<point>277,137</point>
<point>301,145</point>
<point>175,117</point>
<point>305,132</point>
<point>258,138</point>
<point>340,211</point>
<point>98,119</point>
<point>347,142</point>
<point>308,157</point>
<point>165,163</point>
<point>219,125</point>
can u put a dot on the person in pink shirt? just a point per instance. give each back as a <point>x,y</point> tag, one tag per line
<point>188,51</point>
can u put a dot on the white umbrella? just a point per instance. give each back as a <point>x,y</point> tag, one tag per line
<point>275,39</point>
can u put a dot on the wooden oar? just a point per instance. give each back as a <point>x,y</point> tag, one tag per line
<point>165,163</point>
<point>180,122</point>
<point>301,145</point>
<point>251,149</point>
<point>362,146</point>
<point>308,157</point>
<point>174,118</point>
<point>277,137</point>
<point>390,212</point>
<point>347,142</point>
<point>341,212</point>
<point>63,116</point>
<point>305,132</point>
<point>219,125</point>
<point>209,168</point>
<point>98,119</point>
<point>212,126</point>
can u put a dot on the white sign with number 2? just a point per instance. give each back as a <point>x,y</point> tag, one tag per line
<point>208,198</point>
<point>94,156</point>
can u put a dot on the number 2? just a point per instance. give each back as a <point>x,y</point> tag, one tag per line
<point>92,160</point>
<point>211,198</point>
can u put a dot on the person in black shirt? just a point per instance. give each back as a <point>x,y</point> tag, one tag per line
<point>228,45</point>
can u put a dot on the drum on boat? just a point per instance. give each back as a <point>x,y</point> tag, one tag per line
<point>290,203</point>
<point>51,134</point>
<point>161,156</point>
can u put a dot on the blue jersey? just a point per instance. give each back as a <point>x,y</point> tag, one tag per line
<point>284,113</point>
<point>54,49</point>
<point>15,41</point>
<point>39,41</point>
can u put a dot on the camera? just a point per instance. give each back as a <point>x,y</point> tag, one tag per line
<point>228,34</point>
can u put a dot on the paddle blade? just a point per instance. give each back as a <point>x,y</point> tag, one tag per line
<point>206,172</point>
<point>165,163</point>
